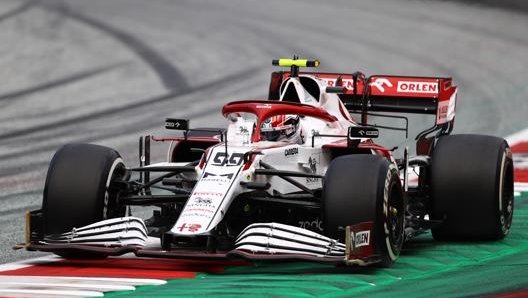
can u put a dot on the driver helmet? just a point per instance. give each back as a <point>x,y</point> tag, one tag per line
<point>280,128</point>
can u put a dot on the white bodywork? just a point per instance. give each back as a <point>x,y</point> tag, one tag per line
<point>220,180</point>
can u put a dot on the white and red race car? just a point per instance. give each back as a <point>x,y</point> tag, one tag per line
<point>291,177</point>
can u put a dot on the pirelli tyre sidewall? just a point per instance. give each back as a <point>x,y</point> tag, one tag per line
<point>77,190</point>
<point>365,188</point>
<point>471,188</point>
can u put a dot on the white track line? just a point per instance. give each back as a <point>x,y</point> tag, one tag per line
<point>48,293</point>
<point>43,284</point>
<point>29,262</point>
<point>101,280</point>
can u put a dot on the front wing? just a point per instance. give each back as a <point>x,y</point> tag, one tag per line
<point>258,242</point>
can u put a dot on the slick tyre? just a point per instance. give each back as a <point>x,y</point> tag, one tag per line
<point>365,188</point>
<point>77,190</point>
<point>471,188</point>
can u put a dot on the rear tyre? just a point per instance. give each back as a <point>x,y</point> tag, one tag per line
<point>471,188</point>
<point>365,188</point>
<point>77,190</point>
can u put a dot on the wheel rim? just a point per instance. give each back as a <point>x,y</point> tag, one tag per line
<point>111,206</point>
<point>395,217</point>
<point>507,196</point>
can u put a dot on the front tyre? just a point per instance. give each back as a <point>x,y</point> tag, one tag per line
<point>365,188</point>
<point>77,190</point>
<point>472,188</point>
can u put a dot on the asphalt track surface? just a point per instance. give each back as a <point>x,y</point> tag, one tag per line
<point>107,71</point>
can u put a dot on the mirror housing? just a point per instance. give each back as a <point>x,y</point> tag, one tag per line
<point>177,124</point>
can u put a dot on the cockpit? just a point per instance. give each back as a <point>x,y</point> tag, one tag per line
<point>255,121</point>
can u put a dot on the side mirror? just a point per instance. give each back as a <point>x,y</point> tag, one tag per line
<point>177,124</point>
<point>338,89</point>
<point>362,132</point>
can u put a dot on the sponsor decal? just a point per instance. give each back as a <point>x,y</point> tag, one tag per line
<point>207,193</point>
<point>291,151</point>
<point>221,178</point>
<point>200,206</point>
<point>379,83</point>
<point>224,159</point>
<point>369,133</point>
<point>362,132</point>
<point>196,215</point>
<point>203,201</point>
<point>358,244</point>
<point>442,112</point>
<point>315,224</point>
<point>417,87</point>
<point>199,210</point>
<point>361,238</point>
<point>224,176</point>
<point>243,130</point>
<point>312,180</point>
<point>177,124</point>
<point>244,134</point>
<point>312,163</point>
<point>349,84</point>
<point>264,106</point>
<point>189,227</point>
<point>172,124</point>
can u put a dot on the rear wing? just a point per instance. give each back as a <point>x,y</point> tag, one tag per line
<point>384,93</point>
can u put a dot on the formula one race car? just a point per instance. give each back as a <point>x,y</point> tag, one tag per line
<point>294,177</point>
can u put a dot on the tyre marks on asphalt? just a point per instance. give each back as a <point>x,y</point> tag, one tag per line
<point>513,5</point>
<point>171,77</point>
<point>134,108</point>
<point>57,83</point>
<point>17,10</point>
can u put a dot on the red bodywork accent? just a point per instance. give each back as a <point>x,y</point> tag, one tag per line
<point>197,139</point>
<point>344,112</point>
<point>368,144</point>
<point>424,146</point>
<point>360,241</point>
